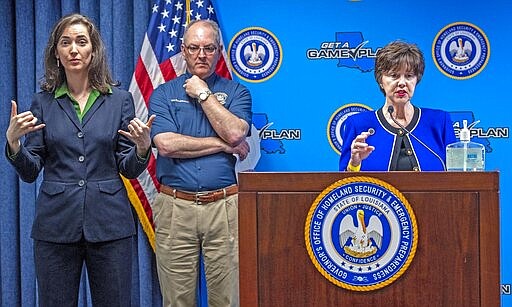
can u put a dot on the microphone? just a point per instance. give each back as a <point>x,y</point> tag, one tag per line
<point>390,111</point>
<point>371,131</point>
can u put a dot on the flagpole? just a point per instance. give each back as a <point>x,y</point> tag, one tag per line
<point>188,11</point>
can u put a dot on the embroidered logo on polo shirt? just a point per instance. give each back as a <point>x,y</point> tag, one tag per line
<point>221,97</point>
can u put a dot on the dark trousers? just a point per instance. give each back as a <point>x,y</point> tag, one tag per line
<point>59,266</point>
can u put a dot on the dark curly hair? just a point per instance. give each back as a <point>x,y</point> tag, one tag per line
<point>396,55</point>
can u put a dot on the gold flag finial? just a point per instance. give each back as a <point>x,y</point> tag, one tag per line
<point>188,11</point>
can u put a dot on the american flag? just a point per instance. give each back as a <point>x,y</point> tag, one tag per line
<point>160,60</point>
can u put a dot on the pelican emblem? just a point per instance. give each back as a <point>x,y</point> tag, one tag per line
<point>361,241</point>
<point>253,55</point>
<point>459,51</point>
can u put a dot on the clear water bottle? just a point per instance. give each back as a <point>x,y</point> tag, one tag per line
<point>465,155</point>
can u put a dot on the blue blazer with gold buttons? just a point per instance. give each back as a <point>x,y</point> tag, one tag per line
<point>82,193</point>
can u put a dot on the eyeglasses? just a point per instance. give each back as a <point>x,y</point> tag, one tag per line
<point>193,49</point>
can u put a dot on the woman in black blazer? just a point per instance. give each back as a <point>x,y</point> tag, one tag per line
<point>82,132</point>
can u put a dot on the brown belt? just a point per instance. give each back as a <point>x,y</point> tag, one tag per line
<point>200,197</point>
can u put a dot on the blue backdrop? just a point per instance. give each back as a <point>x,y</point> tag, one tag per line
<point>298,99</point>
<point>305,96</point>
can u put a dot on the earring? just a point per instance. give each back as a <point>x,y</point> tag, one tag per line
<point>58,62</point>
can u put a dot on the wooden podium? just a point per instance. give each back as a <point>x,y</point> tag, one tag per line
<point>457,261</point>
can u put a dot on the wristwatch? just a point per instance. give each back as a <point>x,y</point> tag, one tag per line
<point>204,95</point>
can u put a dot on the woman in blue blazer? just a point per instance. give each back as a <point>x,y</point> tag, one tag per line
<point>82,132</point>
<point>399,136</point>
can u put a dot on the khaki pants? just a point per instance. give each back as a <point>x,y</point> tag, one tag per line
<point>183,230</point>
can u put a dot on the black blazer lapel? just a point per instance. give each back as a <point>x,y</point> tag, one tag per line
<point>95,106</point>
<point>70,111</point>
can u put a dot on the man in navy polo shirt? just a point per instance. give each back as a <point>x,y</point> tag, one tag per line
<point>202,120</point>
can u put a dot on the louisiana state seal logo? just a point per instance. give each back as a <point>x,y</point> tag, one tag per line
<point>336,121</point>
<point>361,233</point>
<point>255,54</point>
<point>461,50</point>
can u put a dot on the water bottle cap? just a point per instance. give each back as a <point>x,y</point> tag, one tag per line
<point>465,134</point>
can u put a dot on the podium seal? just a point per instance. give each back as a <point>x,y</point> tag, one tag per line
<point>361,233</point>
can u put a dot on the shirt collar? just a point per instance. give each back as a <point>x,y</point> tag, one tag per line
<point>64,90</point>
<point>210,80</point>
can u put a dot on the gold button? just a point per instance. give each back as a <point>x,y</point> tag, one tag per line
<point>400,132</point>
<point>408,152</point>
<point>416,169</point>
